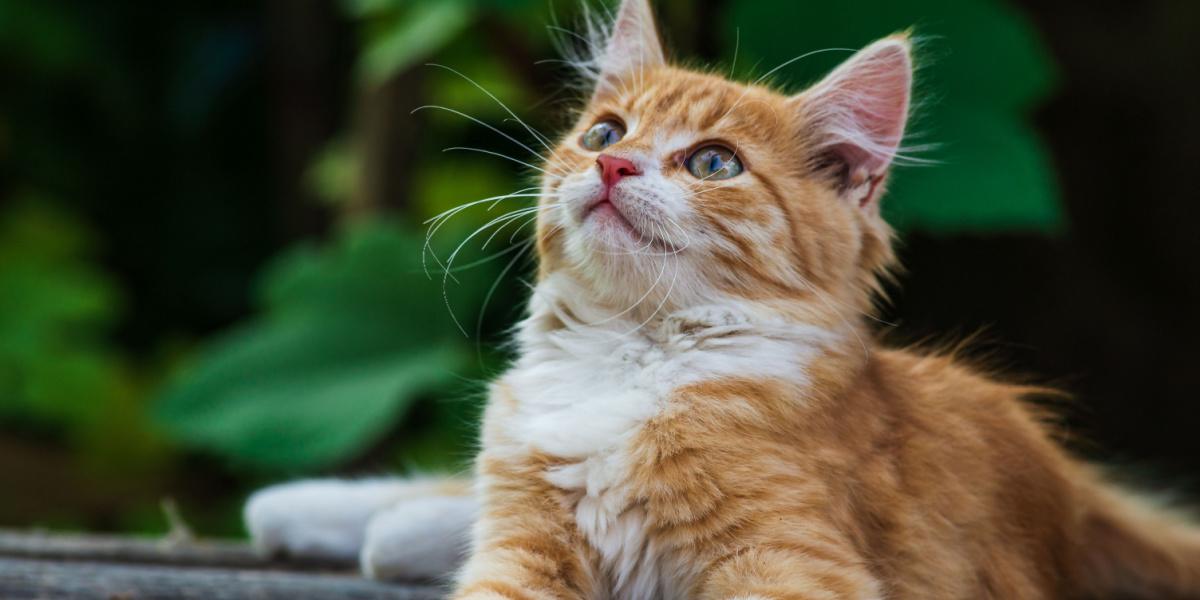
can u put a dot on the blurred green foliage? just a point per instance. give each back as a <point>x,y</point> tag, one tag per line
<point>349,347</point>
<point>345,342</point>
<point>981,70</point>
<point>397,34</point>
<point>55,308</point>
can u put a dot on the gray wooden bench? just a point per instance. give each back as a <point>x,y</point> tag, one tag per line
<point>55,566</point>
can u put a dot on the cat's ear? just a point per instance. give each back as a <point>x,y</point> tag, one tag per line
<point>633,44</point>
<point>855,117</point>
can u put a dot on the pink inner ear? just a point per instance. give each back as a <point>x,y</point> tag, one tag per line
<point>859,111</point>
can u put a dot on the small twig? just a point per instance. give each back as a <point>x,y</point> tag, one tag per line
<point>179,532</point>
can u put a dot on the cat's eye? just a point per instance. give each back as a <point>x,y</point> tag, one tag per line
<point>602,135</point>
<point>714,162</point>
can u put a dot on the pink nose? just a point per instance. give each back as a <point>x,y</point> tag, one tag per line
<point>612,169</point>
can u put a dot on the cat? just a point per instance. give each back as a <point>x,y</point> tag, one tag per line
<point>699,408</point>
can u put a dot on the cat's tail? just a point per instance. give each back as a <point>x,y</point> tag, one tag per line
<point>1133,547</point>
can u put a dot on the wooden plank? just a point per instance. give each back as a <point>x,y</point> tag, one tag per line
<point>29,579</point>
<point>63,566</point>
<point>107,548</point>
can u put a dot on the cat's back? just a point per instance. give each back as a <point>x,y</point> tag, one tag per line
<point>962,492</point>
<point>957,406</point>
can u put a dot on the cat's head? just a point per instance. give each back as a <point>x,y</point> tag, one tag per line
<point>680,187</point>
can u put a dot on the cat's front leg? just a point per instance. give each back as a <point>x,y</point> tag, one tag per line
<point>787,572</point>
<point>396,528</point>
<point>525,544</point>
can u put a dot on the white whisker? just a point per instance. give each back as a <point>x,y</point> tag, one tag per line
<point>477,121</point>
<point>496,154</point>
<point>637,302</point>
<point>535,133</point>
<point>450,260</point>
<point>737,43</point>
<point>751,87</point>
<point>661,304</point>
<point>487,299</point>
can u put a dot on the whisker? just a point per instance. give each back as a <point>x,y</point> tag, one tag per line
<point>517,231</point>
<point>661,304</point>
<point>477,121</point>
<point>438,221</point>
<point>535,133</point>
<point>799,58</point>
<point>775,70</point>
<point>737,43</point>
<point>687,239</point>
<point>450,261</point>
<point>522,193</point>
<point>496,154</point>
<point>487,299</point>
<point>637,302</point>
<point>484,260</point>
<point>517,214</point>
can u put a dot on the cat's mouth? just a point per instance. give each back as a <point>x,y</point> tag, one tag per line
<point>606,211</point>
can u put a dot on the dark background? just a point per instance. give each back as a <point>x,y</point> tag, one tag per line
<point>157,162</point>
<point>1102,310</point>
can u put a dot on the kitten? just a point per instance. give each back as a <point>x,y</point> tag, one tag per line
<point>699,410</point>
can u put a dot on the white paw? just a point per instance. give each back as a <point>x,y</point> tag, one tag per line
<point>423,538</point>
<point>322,519</point>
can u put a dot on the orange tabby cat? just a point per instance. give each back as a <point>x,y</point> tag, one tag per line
<point>699,410</point>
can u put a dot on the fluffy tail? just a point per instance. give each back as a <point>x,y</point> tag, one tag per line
<point>1132,548</point>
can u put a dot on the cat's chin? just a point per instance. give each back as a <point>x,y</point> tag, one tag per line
<point>610,234</point>
<point>606,217</point>
<point>609,231</point>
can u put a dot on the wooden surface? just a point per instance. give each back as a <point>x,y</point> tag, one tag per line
<point>39,566</point>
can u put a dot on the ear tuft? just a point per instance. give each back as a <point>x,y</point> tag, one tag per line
<point>857,114</point>
<point>633,44</point>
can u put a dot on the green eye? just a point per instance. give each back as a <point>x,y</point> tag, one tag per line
<point>602,135</point>
<point>714,162</point>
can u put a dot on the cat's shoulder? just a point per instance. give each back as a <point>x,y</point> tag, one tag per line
<point>956,382</point>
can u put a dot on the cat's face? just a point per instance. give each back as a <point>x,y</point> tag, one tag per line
<point>681,186</point>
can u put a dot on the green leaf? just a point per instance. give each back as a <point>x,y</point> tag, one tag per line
<point>398,38</point>
<point>55,307</point>
<point>350,337</point>
<point>981,68</point>
<point>302,397</point>
<point>995,176</point>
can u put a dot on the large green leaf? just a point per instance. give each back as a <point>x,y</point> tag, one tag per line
<point>396,37</point>
<point>981,70</point>
<point>55,308</point>
<point>351,335</point>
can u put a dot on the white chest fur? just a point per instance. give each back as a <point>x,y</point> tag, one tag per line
<point>583,391</point>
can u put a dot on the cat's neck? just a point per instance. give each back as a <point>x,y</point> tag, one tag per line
<point>561,308</point>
